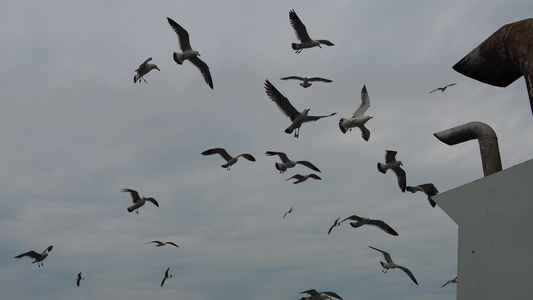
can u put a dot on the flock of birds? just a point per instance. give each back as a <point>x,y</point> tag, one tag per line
<point>297,118</point>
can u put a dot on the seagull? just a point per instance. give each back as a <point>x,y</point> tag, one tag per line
<point>307,81</point>
<point>443,88</point>
<point>314,295</point>
<point>392,163</point>
<point>79,279</point>
<point>364,221</point>
<point>428,188</point>
<point>297,118</point>
<point>137,200</point>
<point>358,118</point>
<point>230,159</point>
<point>166,276</point>
<point>303,36</point>
<point>189,53</point>
<point>301,178</point>
<point>391,265</point>
<point>38,257</point>
<point>160,244</point>
<point>288,212</point>
<point>334,225</point>
<point>287,163</point>
<point>450,281</point>
<point>143,69</point>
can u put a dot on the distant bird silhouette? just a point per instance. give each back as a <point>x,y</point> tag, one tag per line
<point>389,264</point>
<point>79,279</point>
<point>229,159</point>
<point>335,224</point>
<point>188,53</point>
<point>443,88</point>
<point>287,163</point>
<point>297,118</point>
<point>303,36</point>
<point>38,257</point>
<point>366,221</point>
<point>392,163</point>
<point>314,295</point>
<point>358,118</point>
<point>166,276</point>
<point>143,69</point>
<point>307,81</point>
<point>137,200</point>
<point>428,188</point>
<point>160,244</point>
<point>301,178</point>
<point>449,281</point>
<point>288,212</point>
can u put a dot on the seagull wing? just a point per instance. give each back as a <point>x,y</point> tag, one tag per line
<point>334,225</point>
<point>204,69</point>
<point>383,226</point>
<point>353,217</point>
<point>172,243</point>
<point>365,103</point>
<point>297,177</point>
<point>429,189</point>
<point>293,77</point>
<point>281,155</point>
<point>314,118</point>
<point>183,35</point>
<point>390,156</point>
<point>310,292</point>
<point>402,180</point>
<point>365,133</point>
<point>332,294</point>
<point>220,151</point>
<point>386,255</point>
<point>31,254</point>
<point>319,79</point>
<point>299,27</point>
<point>408,273</point>
<point>143,65</point>
<point>451,84</point>
<point>325,42</point>
<point>283,103</point>
<point>48,249</point>
<point>314,176</point>
<point>248,156</point>
<point>134,194</point>
<point>153,201</point>
<point>308,164</point>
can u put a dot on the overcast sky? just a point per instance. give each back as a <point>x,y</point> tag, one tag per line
<point>75,130</point>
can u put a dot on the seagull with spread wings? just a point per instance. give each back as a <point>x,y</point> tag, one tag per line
<point>166,276</point>
<point>303,36</point>
<point>288,212</point>
<point>442,89</point>
<point>314,295</point>
<point>301,178</point>
<point>230,160</point>
<point>358,118</point>
<point>389,264</point>
<point>392,163</point>
<point>137,200</point>
<point>367,221</point>
<point>79,279</point>
<point>161,244</point>
<point>306,82</point>
<point>335,224</point>
<point>450,281</point>
<point>428,188</point>
<point>297,118</point>
<point>286,163</point>
<point>37,257</point>
<point>188,53</point>
<point>143,69</point>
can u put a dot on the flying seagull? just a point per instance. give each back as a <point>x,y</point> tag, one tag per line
<point>358,118</point>
<point>443,88</point>
<point>137,200</point>
<point>303,36</point>
<point>230,159</point>
<point>166,276</point>
<point>287,163</point>
<point>297,118</point>
<point>449,281</point>
<point>189,53</point>
<point>160,244</point>
<point>301,178</point>
<point>337,223</point>
<point>366,221</point>
<point>428,188</point>
<point>79,279</point>
<point>307,81</point>
<point>392,163</point>
<point>391,265</point>
<point>314,295</point>
<point>288,212</point>
<point>143,69</point>
<point>38,257</point>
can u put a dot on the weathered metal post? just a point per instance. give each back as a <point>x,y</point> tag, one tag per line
<point>503,57</point>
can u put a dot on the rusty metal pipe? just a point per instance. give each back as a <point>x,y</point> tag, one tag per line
<point>488,143</point>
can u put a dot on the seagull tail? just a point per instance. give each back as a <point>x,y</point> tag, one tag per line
<point>381,168</point>
<point>296,46</point>
<point>343,129</point>
<point>289,130</point>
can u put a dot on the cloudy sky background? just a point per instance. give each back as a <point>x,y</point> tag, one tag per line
<point>74,130</point>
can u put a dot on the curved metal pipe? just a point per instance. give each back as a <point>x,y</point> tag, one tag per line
<point>488,143</point>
